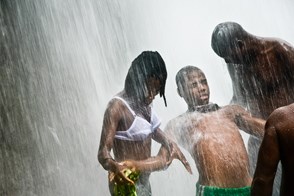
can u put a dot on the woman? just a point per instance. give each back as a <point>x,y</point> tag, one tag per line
<point>130,124</point>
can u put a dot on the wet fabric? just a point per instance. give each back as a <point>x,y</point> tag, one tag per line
<point>140,128</point>
<point>216,191</point>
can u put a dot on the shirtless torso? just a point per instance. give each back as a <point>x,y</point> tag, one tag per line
<point>261,70</point>
<point>215,143</point>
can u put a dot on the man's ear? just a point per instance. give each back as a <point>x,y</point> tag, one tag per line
<point>180,92</point>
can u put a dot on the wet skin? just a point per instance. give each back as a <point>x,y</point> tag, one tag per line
<point>278,142</point>
<point>137,150</point>
<point>213,138</point>
<point>214,141</point>
<point>196,91</point>
<point>261,70</point>
<point>118,117</point>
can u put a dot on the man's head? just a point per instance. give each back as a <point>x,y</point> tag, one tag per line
<point>229,41</point>
<point>192,86</point>
<point>146,70</point>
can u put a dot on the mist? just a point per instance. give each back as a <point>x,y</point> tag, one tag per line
<point>62,61</point>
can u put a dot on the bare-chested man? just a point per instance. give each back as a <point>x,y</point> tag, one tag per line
<point>211,135</point>
<point>277,145</point>
<point>261,70</point>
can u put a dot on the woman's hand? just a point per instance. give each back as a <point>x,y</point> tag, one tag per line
<point>120,173</point>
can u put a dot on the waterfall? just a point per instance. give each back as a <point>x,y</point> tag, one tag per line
<point>61,61</point>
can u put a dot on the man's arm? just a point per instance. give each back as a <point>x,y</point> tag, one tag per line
<point>176,153</point>
<point>251,125</point>
<point>169,149</point>
<point>268,159</point>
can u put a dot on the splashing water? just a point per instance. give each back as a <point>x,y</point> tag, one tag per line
<point>61,61</point>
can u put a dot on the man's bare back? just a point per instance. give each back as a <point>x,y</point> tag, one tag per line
<point>214,141</point>
<point>279,143</point>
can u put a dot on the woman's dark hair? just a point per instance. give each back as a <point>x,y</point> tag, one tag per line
<point>147,64</point>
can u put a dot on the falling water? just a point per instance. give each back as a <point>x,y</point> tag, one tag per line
<point>61,61</point>
<point>50,103</point>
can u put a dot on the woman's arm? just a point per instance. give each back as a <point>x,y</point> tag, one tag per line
<point>159,162</point>
<point>155,163</point>
<point>112,116</point>
<point>169,150</point>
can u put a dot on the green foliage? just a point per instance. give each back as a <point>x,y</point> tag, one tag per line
<point>127,189</point>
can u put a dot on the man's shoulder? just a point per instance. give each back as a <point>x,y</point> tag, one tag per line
<point>176,127</point>
<point>183,121</point>
<point>234,108</point>
<point>281,115</point>
<point>179,118</point>
<point>175,122</point>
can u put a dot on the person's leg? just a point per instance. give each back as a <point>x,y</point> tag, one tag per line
<point>143,186</point>
<point>111,187</point>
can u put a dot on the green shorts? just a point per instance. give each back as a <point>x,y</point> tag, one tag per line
<point>216,191</point>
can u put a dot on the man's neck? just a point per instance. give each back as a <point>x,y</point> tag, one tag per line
<point>211,107</point>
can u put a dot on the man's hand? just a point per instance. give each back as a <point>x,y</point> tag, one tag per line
<point>176,153</point>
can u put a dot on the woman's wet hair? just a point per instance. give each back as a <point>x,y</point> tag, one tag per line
<point>148,64</point>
